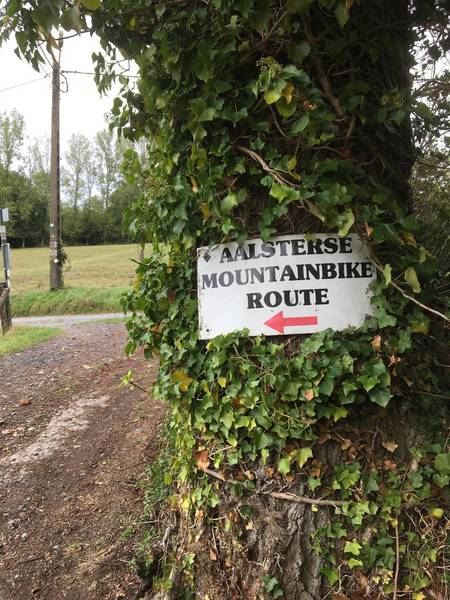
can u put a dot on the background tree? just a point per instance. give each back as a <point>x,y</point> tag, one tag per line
<point>77,173</point>
<point>109,153</point>
<point>11,138</point>
<point>304,467</point>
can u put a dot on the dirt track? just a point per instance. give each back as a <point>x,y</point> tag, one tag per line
<point>72,444</point>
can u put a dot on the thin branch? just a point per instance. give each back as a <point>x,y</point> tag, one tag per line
<point>350,129</point>
<point>397,563</point>
<point>322,76</point>
<point>264,40</point>
<point>424,306</point>
<point>304,499</point>
<point>278,125</point>
<point>275,174</point>
<point>411,298</point>
<point>280,495</point>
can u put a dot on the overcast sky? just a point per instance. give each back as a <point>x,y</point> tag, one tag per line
<point>82,108</point>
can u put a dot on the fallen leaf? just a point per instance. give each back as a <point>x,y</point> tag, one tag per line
<point>389,465</point>
<point>202,459</point>
<point>212,555</point>
<point>87,367</point>
<point>345,443</point>
<point>376,343</point>
<point>390,446</point>
<point>308,395</point>
<point>369,229</point>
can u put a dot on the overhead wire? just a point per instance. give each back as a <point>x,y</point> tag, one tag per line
<point>12,87</point>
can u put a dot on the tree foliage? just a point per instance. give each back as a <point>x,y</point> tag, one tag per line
<point>267,117</point>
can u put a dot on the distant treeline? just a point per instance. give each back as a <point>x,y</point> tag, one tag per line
<point>95,196</point>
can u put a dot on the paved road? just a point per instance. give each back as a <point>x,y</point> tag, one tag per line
<point>64,320</point>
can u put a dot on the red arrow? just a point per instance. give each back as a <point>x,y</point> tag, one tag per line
<point>279,322</point>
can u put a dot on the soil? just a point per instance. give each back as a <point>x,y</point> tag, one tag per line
<point>73,444</point>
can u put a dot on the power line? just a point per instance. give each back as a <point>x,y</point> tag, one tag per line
<point>12,87</point>
<point>90,73</point>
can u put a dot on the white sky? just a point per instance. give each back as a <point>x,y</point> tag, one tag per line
<point>82,107</point>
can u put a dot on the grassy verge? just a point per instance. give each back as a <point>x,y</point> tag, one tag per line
<point>67,301</point>
<point>19,338</point>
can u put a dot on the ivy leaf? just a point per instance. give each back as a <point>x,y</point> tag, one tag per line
<point>182,379</point>
<point>260,18</point>
<point>347,220</point>
<point>442,463</point>
<point>229,202</point>
<point>387,272</point>
<point>284,465</point>
<point>91,4</point>
<point>342,14</point>
<point>298,7</point>
<point>286,109</point>
<point>410,277</point>
<point>301,124</point>
<point>222,382</point>
<point>340,412</point>
<point>352,548</point>
<point>380,396</point>
<point>303,455</point>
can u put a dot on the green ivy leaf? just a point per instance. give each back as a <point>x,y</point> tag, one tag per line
<point>285,109</point>
<point>342,14</point>
<point>301,124</point>
<point>442,463</point>
<point>284,465</point>
<point>303,455</point>
<point>347,221</point>
<point>352,547</point>
<point>411,278</point>
<point>298,7</point>
<point>387,272</point>
<point>91,4</point>
<point>260,17</point>
<point>380,396</point>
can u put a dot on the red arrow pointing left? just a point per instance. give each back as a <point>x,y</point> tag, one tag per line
<point>279,322</point>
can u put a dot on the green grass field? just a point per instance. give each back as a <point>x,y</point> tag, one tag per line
<point>94,282</point>
<point>19,338</point>
<point>89,267</point>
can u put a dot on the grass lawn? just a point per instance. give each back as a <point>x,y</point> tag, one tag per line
<point>94,282</point>
<point>19,338</point>
<point>89,267</point>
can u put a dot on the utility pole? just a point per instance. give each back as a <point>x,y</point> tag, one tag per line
<point>56,263</point>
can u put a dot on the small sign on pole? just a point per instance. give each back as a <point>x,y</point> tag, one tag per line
<point>6,254</point>
<point>4,215</point>
<point>288,285</point>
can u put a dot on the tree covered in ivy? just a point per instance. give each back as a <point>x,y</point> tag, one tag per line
<point>305,465</point>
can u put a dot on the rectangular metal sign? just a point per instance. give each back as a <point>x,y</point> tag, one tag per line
<point>290,284</point>
<point>4,215</point>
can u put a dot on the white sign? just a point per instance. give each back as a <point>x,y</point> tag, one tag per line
<point>288,285</point>
<point>4,215</point>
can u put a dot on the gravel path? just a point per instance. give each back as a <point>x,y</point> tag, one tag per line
<point>73,444</point>
<point>64,320</point>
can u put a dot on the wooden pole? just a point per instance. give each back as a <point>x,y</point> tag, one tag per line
<point>56,266</point>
